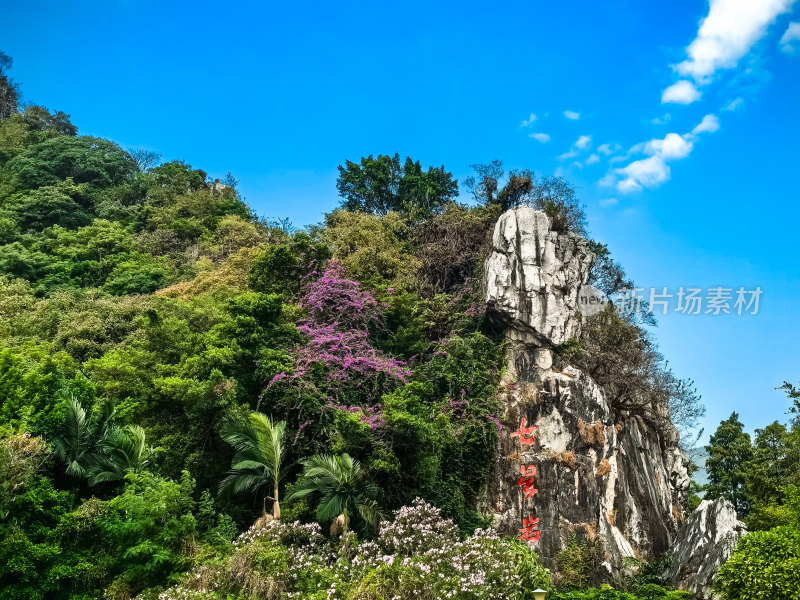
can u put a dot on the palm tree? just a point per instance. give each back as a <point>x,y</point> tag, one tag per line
<point>342,488</point>
<point>77,441</point>
<point>257,463</point>
<point>123,450</point>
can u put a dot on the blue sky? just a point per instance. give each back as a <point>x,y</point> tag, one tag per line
<point>677,121</point>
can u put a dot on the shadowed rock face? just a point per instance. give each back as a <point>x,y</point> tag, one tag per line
<point>604,476</point>
<point>702,546</point>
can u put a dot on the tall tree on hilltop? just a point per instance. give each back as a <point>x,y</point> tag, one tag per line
<point>729,451</point>
<point>9,89</point>
<point>554,196</point>
<point>382,184</point>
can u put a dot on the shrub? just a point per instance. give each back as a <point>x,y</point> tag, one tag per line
<point>418,554</point>
<point>764,566</point>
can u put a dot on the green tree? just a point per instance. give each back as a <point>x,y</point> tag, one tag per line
<point>60,204</point>
<point>258,462</point>
<point>123,450</point>
<point>43,124</point>
<point>340,487</point>
<point>485,186</point>
<point>794,395</point>
<point>151,531</point>
<point>381,185</point>
<point>729,451</point>
<point>764,566</point>
<point>9,90</point>
<point>90,160</point>
<point>80,436</point>
<point>21,457</point>
<point>553,195</point>
<point>280,268</point>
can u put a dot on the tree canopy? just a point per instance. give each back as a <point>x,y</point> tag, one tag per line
<point>382,184</point>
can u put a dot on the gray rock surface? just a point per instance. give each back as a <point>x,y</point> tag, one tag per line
<point>702,546</point>
<point>606,477</point>
<point>531,275</point>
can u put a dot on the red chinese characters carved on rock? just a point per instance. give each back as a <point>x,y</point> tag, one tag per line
<point>530,530</point>
<point>527,480</point>
<point>525,433</point>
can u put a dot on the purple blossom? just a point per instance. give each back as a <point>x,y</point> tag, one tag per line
<point>494,420</point>
<point>337,336</point>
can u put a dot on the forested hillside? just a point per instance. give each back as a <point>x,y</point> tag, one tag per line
<point>174,368</point>
<point>146,313</point>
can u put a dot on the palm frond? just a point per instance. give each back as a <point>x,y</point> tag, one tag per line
<point>259,451</point>
<point>331,507</point>
<point>368,510</point>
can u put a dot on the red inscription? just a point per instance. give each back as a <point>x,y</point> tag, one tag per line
<point>527,480</point>
<point>525,433</point>
<point>530,530</point>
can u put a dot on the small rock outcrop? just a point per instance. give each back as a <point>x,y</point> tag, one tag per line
<point>570,465</point>
<point>704,543</point>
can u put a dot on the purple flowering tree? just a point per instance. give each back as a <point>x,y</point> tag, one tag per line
<point>337,357</point>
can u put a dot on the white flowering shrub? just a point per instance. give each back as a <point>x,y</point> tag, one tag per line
<point>417,555</point>
<point>416,529</point>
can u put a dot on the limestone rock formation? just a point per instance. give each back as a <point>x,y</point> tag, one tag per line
<point>702,546</point>
<point>534,274</point>
<point>570,464</point>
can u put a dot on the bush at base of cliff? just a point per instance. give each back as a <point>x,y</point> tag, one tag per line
<point>575,563</point>
<point>418,555</point>
<point>646,592</point>
<point>764,566</point>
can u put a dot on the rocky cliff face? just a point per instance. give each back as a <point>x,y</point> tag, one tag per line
<point>569,463</point>
<point>703,545</point>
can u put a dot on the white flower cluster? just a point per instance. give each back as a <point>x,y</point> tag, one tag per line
<point>418,554</point>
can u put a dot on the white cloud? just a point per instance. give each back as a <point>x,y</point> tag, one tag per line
<point>791,34</point>
<point>727,33</point>
<point>662,120</point>
<point>680,92</point>
<point>608,180</point>
<point>647,172</point>
<point>582,143</point>
<point>710,124</point>
<point>608,201</point>
<point>571,154</point>
<point>733,105</point>
<point>608,149</point>
<point>654,170</point>
<point>672,147</point>
<point>542,138</point>
<point>576,164</point>
<point>529,121</point>
<point>593,159</point>
<point>572,115</point>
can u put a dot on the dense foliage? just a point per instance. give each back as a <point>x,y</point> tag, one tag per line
<point>762,479</point>
<point>173,366</point>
